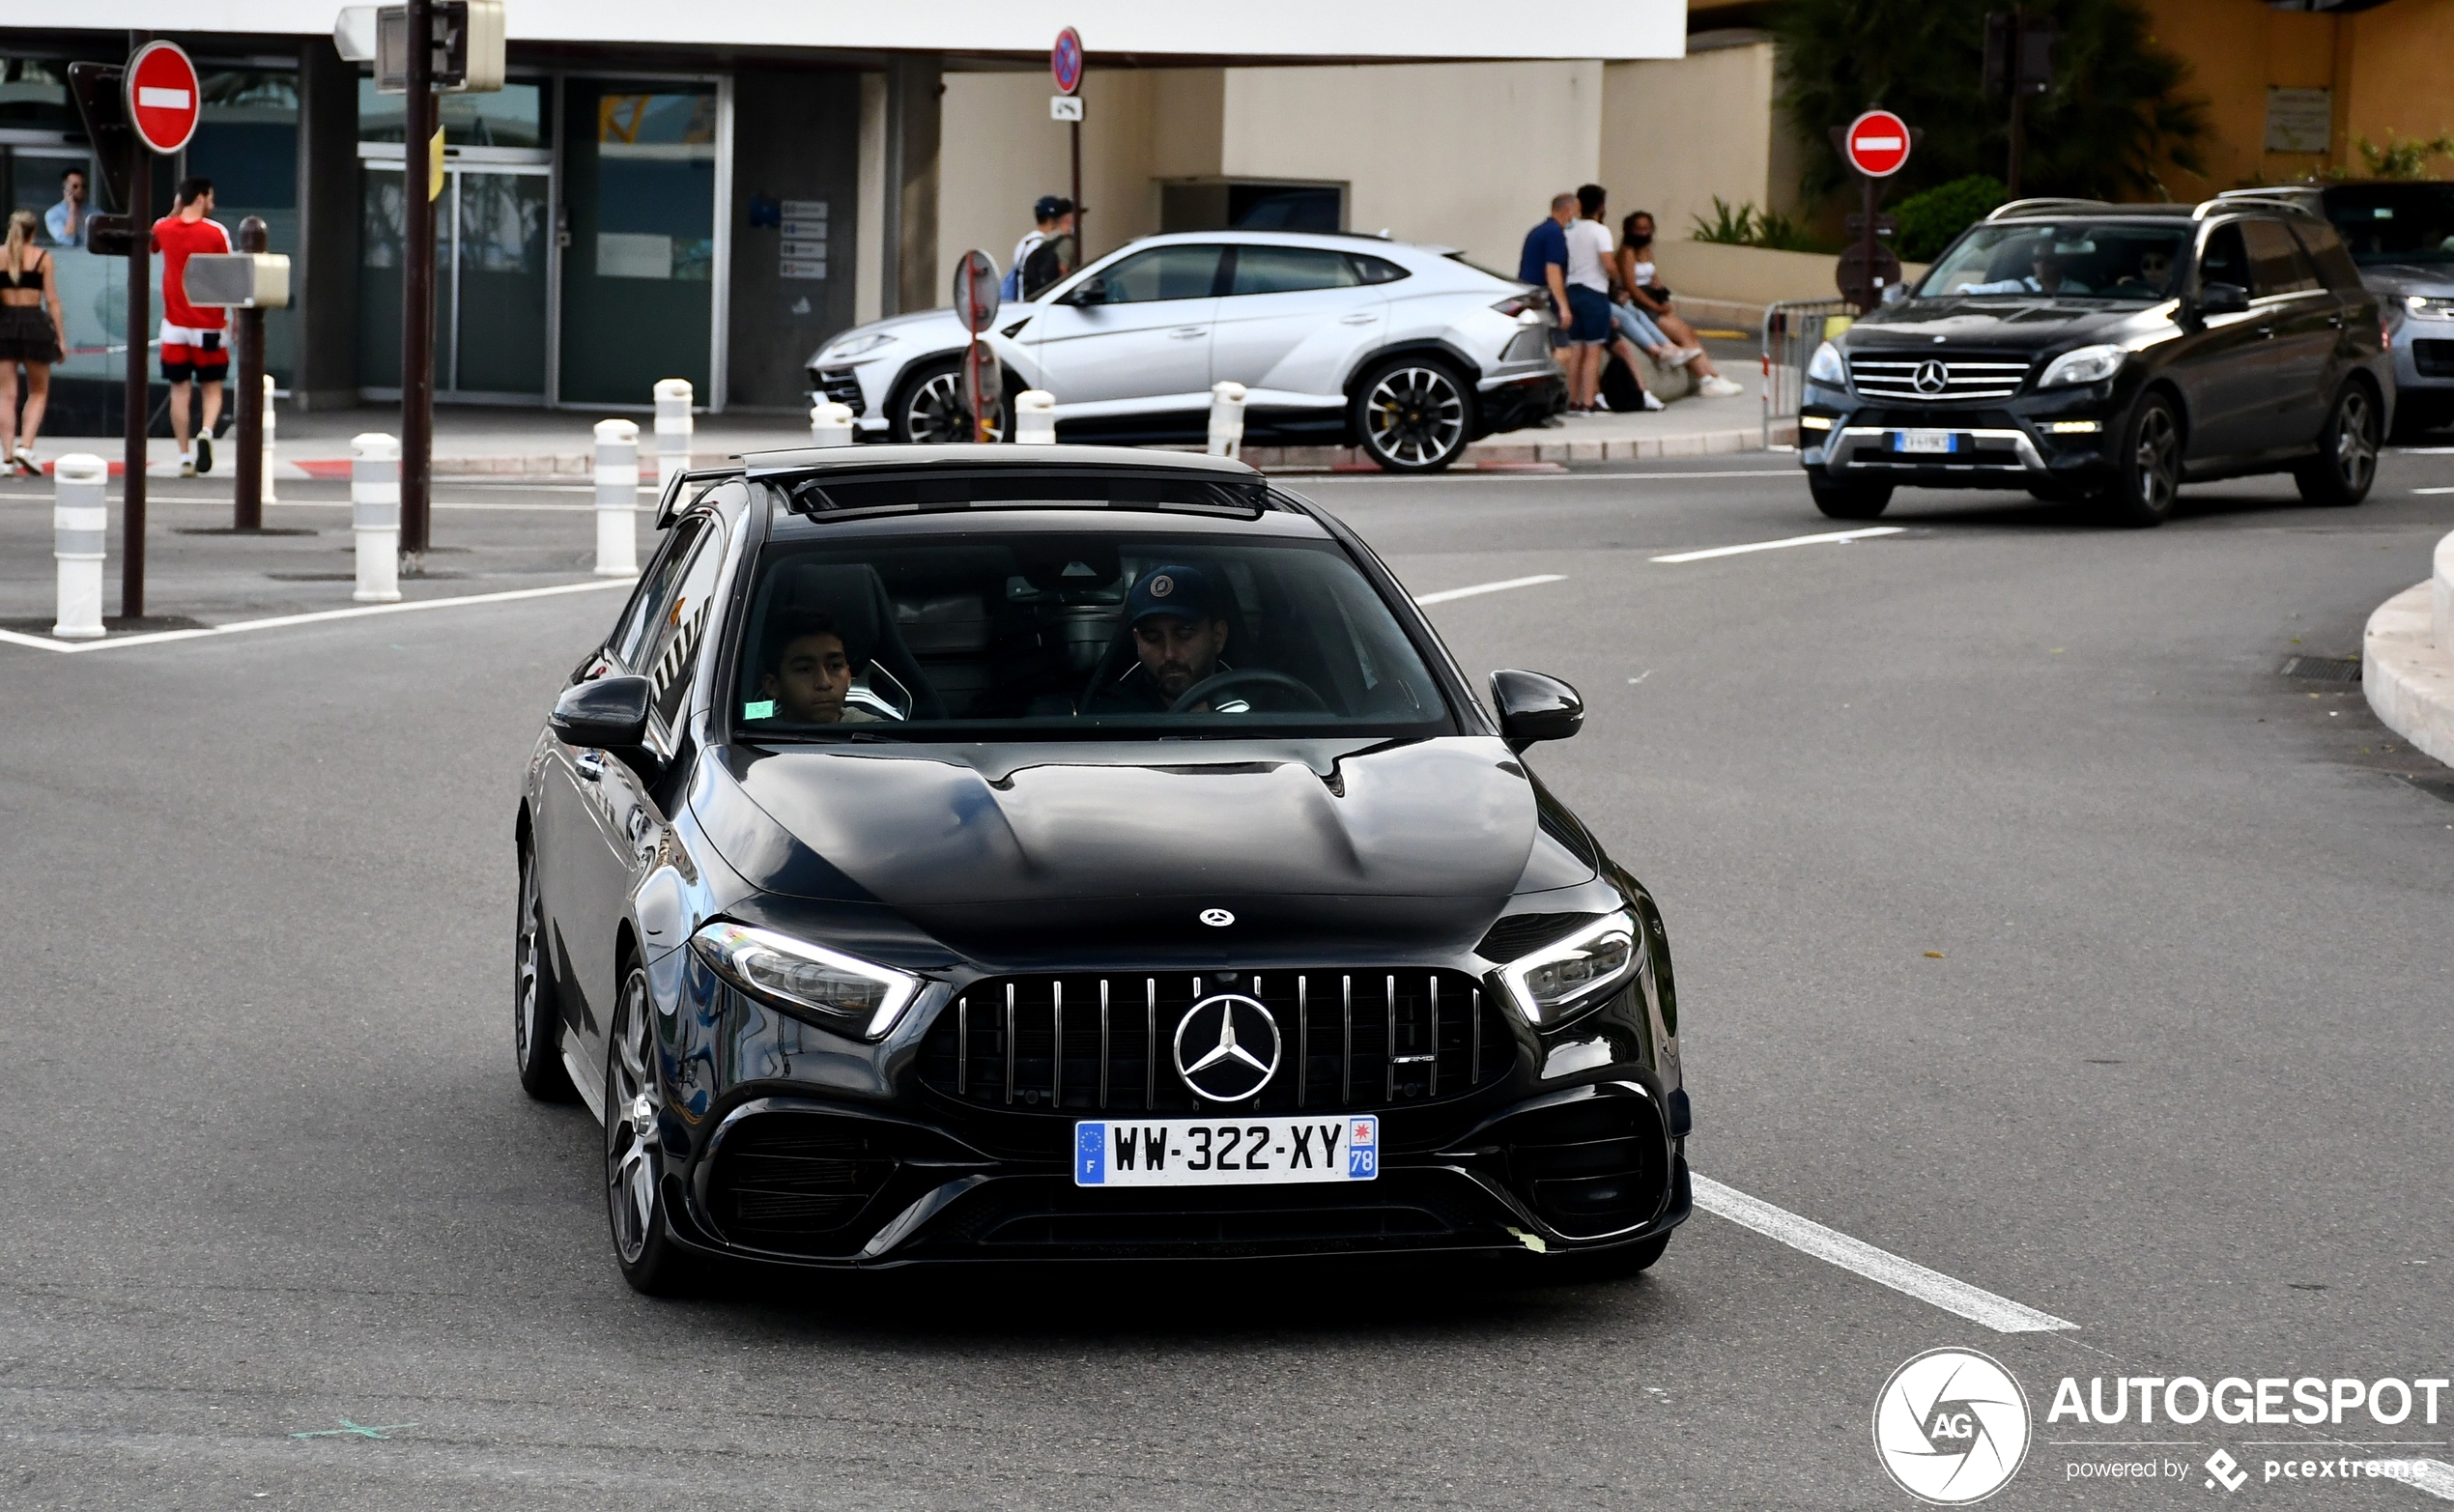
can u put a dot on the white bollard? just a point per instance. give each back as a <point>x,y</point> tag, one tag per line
<point>1226,419</point>
<point>617,499</point>
<point>829,424</point>
<point>375,512</point>
<point>1035,418</point>
<point>267,494</point>
<point>673,428</point>
<point>78,522</point>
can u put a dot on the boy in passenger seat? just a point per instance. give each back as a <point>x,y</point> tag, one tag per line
<point>808,673</point>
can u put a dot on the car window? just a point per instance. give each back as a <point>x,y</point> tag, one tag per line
<point>2276,263</point>
<point>2100,260</point>
<point>2327,250</point>
<point>2223,261</point>
<point>1163,273</point>
<point>655,589</point>
<point>2395,223</point>
<point>1286,270</point>
<point>1045,633</point>
<point>1377,269</point>
<point>669,653</point>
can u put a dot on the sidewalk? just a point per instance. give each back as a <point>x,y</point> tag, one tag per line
<point>476,441</point>
<point>2408,659</point>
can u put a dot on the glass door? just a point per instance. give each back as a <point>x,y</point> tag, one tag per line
<point>640,269</point>
<point>490,280</point>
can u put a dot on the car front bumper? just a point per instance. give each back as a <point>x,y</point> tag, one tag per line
<point>2053,438</point>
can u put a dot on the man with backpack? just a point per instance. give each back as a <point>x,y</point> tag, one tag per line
<point>1050,240</point>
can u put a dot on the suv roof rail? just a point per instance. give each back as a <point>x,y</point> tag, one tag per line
<point>2030,207</point>
<point>2242,201</point>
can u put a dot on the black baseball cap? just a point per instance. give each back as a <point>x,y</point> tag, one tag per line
<point>1050,207</point>
<point>1176,589</point>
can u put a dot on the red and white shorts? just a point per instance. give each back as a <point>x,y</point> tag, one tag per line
<point>190,352</point>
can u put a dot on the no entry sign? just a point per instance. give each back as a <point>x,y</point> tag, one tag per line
<point>163,101</point>
<point>1878,143</point>
<point>1065,60</point>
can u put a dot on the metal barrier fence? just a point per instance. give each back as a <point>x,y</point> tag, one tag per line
<point>1792,330</point>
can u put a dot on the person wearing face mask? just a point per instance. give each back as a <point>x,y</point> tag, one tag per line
<point>1642,299</point>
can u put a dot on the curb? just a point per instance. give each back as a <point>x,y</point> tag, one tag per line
<point>2408,681</point>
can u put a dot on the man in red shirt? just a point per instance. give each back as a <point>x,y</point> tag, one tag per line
<point>196,339</point>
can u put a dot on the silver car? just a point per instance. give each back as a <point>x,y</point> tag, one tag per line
<point>2401,233</point>
<point>1404,351</point>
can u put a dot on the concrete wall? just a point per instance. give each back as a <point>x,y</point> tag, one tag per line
<point>1753,275</point>
<point>1675,132</point>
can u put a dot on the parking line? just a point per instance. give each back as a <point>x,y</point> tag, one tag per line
<point>406,606</point>
<point>1829,537</point>
<point>1445,594</point>
<point>1998,1313</point>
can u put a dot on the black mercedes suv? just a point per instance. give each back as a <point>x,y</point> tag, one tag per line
<point>972,851</point>
<point>2110,353</point>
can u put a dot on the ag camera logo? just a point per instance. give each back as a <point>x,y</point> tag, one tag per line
<point>1950,1427</point>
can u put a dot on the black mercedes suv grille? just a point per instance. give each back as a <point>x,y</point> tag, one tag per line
<point>843,387</point>
<point>1348,1040</point>
<point>1914,375</point>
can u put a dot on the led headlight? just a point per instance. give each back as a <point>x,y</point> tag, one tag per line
<point>2431,307</point>
<point>1575,972</point>
<point>2085,366</point>
<point>1826,366</point>
<point>855,346</point>
<point>851,996</point>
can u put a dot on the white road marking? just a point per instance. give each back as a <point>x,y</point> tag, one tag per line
<point>1828,537</point>
<point>1998,1313</point>
<point>406,606</point>
<point>1445,594</point>
<point>2433,491</point>
<point>1640,676</point>
<point>2434,1476</point>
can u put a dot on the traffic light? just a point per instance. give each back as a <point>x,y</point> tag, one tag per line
<point>2018,52</point>
<point>467,41</point>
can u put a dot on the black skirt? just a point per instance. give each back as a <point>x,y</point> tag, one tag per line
<point>26,334</point>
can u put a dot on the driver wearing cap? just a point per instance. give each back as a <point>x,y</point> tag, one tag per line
<point>1179,633</point>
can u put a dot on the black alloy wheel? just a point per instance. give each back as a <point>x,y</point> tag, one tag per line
<point>1849,500</point>
<point>2148,468</point>
<point>929,408</point>
<point>2339,475</point>
<point>651,1261</point>
<point>1413,415</point>
<point>536,1015</point>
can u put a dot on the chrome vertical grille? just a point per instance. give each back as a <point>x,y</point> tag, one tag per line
<point>1347,1039</point>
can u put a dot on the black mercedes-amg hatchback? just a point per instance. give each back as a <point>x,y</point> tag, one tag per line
<point>971,852</point>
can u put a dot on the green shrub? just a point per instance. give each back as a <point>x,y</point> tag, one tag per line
<point>1931,219</point>
<point>1748,226</point>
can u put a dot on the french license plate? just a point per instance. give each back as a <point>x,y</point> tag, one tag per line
<point>1925,441</point>
<point>1244,1151</point>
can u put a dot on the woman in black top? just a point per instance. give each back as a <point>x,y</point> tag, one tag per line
<point>29,334</point>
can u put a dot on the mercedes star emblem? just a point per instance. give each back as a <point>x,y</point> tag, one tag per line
<point>1217,918</point>
<point>1233,1046</point>
<point>1932,377</point>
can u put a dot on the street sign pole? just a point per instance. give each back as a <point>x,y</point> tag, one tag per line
<point>162,101</point>
<point>417,287</point>
<point>1877,145</point>
<point>1065,63</point>
<point>247,511</point>
<point>976,302</point>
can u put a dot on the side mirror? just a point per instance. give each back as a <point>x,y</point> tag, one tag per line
<point>1093,289</point>
<point>609,714</point>
<point>1533,707</point>
<point>2222,298</point>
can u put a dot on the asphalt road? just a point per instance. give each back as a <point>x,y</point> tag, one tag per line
<point>2030,925</point>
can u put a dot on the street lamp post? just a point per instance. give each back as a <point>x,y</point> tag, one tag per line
<point>418,285</point>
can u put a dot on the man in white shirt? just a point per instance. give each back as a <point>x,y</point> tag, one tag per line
<point>1592,333</point>
<point>1053,216</point>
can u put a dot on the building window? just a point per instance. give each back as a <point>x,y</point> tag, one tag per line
<point>1251,206</point>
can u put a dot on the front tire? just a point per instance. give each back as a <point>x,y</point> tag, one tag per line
<point>1849,501</point>
<point>643,1245</point>
<point>2149,476</point>
<point>2347,461</point>
<point>536,1012</point>
<point>1412,414</point>
<point>929,407</point>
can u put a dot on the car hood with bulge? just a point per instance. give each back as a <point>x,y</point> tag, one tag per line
<point>2036,324</point>
<point>1017,850</point>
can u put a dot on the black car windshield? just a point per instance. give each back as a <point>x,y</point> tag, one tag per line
<point>1047,634</point>
<point>2395,223</point>
<point>2080,259</point>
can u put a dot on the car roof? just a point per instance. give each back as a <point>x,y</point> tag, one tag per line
<point>900,457</point>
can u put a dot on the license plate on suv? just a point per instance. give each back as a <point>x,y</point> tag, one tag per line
<point>1242,1151</point>
<point>1926,443</point>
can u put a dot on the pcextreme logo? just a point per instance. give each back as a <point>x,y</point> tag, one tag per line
<point>1950,1427</point>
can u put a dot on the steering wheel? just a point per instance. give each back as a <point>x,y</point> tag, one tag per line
<point>1202,690</point>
